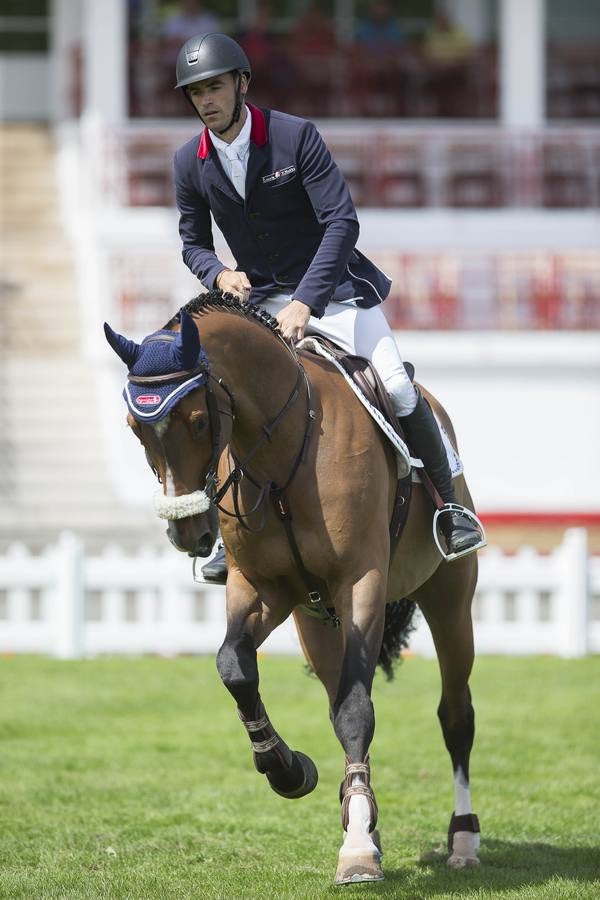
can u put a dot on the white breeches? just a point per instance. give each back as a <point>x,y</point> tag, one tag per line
<point>362,332</point>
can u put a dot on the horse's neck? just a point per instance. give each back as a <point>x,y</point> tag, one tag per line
<point>261,374</point>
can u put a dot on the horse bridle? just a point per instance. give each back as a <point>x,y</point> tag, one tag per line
<point>214,493</point>
<point>211,489</point>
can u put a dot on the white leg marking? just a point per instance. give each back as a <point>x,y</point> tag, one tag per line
<point>465,844</point>
<point>359,817</point>
<point>462,794</point>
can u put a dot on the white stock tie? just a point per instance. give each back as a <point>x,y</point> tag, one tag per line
<point>238,174</point>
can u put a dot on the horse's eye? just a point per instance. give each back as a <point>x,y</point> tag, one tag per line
<point>198,423</point>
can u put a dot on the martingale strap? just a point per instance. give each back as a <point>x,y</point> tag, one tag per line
<point>316,588</point>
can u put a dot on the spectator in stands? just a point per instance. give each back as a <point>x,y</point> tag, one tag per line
<point>378,67</point>
<point>188,18</point>
<point>380,30</point>
<point>312,48</point>
<point>447,52</point>
<point>258,41</point>
<point>269,54</point>
<point>313,34</point>
<point>286,213</point>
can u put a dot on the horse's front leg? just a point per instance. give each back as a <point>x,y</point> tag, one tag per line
<point>362,609</point>
<point>249,622</point>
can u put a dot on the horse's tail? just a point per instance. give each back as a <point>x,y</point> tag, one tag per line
<point>398,626</point>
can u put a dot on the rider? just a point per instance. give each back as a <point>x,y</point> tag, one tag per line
<point>287,215</point>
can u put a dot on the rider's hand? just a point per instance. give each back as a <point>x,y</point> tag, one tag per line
<point>293,319</point>
<point>235,283</point>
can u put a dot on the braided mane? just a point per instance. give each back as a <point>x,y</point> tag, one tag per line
<point>218,300</point>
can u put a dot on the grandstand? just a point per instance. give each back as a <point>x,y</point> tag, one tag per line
<point>473,156</point>
<point>56,471</point>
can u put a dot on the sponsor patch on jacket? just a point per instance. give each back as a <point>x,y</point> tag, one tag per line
<point>278,174</point>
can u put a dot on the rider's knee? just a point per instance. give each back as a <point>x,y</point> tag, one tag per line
<point>402,394</point>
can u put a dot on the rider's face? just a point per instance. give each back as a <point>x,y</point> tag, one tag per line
<point>214,98</point>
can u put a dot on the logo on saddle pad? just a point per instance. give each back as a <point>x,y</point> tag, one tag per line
<point>148,399</point>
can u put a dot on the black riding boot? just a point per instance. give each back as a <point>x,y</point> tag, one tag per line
<point>215,571</point>
<point>423,435</point>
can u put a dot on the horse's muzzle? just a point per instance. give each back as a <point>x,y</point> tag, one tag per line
<point>194,535</point>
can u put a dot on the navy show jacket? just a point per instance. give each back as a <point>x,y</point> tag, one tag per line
<point>296,230</point>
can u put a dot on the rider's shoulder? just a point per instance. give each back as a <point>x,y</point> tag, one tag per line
<point>189,150</point>
<point>289,123</point>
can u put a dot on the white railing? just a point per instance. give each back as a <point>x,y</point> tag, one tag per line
<point>69,604</point>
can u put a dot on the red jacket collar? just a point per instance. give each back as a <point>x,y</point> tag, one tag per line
<point>258,132</point>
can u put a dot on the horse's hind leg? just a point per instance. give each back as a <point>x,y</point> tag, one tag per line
<point>249,622</point>
<point>445,600</point>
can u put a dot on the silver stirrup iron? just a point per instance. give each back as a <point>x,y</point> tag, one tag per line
<point>457,508</point>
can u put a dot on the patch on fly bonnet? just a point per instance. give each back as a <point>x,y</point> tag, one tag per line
<point>150,393</point>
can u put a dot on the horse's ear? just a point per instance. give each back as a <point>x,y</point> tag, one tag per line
<point>127,350</point>
<point>188,342</point>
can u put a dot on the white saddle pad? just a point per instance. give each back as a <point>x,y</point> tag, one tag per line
<point>406,462</point>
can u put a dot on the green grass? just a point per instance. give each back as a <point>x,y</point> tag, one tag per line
<point>133,779</point>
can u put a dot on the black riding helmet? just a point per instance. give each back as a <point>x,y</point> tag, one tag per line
<point>207,55</point>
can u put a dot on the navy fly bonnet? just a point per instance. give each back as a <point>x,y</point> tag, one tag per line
<point>165,367</point>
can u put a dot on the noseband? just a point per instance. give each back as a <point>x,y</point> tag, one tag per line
<point>199,501</point>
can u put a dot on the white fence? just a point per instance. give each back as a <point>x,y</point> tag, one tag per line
<point>65,603</point>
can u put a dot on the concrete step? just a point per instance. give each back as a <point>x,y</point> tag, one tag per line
<point>18,252</point>
<point>59,273</point>
<point>63,463</point>
<point>28,186</point>
<point>47,523</point>
<point>49,345</point>
<point>33,219</point>
<point>30,371</point>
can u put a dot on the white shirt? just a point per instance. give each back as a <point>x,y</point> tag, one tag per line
<point>234,156</point>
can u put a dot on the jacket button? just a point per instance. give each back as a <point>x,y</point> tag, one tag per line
<point>254,215</point>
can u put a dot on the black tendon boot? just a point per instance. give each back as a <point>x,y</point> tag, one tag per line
<point>215,571</point>
<point>461,529</point>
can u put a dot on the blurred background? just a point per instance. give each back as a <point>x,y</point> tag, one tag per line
<point>469,133</point>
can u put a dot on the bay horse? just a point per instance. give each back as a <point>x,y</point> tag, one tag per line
<point>232,418</point>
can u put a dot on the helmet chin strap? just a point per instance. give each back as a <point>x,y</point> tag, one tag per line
<point>238,105</point>
<point>237,109</point>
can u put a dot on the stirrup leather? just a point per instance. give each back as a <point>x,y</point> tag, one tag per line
<point>468,514</point>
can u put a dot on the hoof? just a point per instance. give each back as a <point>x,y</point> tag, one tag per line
<point>359,859</point>
<point>308,784</point>
<point>462,862</point>
<point>464,851</point>
<point>355,866</point>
